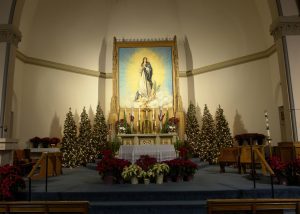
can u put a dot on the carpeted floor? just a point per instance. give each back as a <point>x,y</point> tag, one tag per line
<point>177,197</point>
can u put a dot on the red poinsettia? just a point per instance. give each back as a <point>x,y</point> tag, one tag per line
<point>10,181</point>
<point>146,162</point>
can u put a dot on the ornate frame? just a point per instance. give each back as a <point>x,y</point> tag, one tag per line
<point>123,43</point>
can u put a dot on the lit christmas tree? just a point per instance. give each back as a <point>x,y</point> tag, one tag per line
<point>208,148</point>
<point>223,135</point>
<point>85,139</point>
<point>69,142</point>
<point>100,131</point>
<point>192,129</point>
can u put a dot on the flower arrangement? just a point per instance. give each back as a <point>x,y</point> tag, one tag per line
<point>160,168</point>
<point>35,141</point>
<point>147,174</point>
<point>277,165</point>
<point>54,141</point>
<point>10,181</point>
<point>110,166</point>
<point>173,123</point>
<point>146,162</point>
<point>45,141</point>
<point>132,170</point>
<point>122,127</point>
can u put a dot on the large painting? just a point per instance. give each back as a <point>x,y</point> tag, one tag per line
<point>145,77</point>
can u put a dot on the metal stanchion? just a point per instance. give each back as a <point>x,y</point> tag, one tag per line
<point>272,185</point>
<point>29,190</point>
<point>46,180</point>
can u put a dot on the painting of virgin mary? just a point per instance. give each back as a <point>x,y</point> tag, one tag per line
<point>145,77</point>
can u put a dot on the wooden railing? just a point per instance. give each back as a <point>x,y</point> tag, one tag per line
<point>45,207</point>
<point>48,162</point>
<point>241,206</point>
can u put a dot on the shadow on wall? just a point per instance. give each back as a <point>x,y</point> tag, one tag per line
<point>91,115</point>
<point>101,81</point>
<point>238,124</point>
<point>55,128</point>
<point>199,115</point>
<point>189,67</point>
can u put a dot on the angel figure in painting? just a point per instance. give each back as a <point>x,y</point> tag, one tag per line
<point>145,83</point>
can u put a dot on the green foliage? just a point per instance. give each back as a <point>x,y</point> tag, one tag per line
<point>86,150</point>
<point>223,135</point>
<point>192,129</point>
<point>100,131</point>
<point>208,150</point>
<point>69,142</point>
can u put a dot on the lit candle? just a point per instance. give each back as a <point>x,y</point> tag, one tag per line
<point>152,113</point>
<point>139,113</point>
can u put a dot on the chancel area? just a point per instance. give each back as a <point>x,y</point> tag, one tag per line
<point>159,106</point>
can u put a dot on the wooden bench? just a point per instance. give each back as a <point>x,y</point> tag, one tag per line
<point>258,206</point>
<point>45,207</point>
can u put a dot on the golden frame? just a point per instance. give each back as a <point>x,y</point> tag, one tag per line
<point>115,108</point>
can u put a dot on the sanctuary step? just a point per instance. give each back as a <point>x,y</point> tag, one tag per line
<point>171,197</point>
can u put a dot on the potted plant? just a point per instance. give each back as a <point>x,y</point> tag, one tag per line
<point>147,176</point>
<point>54,141</point>
<point>35,142</point>
<point>110,169</point>
<point>132,172</point>
<point>176,169</point>
<point>189,170</point>
<point>279,169</point>
<point>10,182</point>
<point>45,142</point>
<point>146,162</point>
<point>159,170</point>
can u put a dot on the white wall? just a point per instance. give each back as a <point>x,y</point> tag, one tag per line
<point>80,34</point>
<point>293,45</point>
<point>244,92</point>
<point>47,95</point>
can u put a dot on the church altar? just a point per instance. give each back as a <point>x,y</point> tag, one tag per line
<point>160,146</point>
<point>160,152</point>
<point>146,139</point>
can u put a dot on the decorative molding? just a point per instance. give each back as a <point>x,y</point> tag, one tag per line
<point>232,62</point>
<point>60,66</point>
<point>9,33</point>
<point>285,25</point>
<point>205,69</point>
<point>144,40</point>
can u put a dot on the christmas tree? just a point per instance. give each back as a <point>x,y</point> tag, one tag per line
<point>223,135</point>
<point>85,140</point>
<point>192,129</point>
<point>69,142</point>
<point>208,148</point>
<point>100,131</point>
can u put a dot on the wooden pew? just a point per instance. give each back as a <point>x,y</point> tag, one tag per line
<point>45,207</point>
<point>258,206</point>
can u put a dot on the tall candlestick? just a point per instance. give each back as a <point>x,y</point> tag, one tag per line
<point>139,113</point>
<point>152,113</point>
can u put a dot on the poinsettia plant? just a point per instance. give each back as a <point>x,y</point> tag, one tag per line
<point>10,181</point>
<point>111,166</point>
<point>146,162</point>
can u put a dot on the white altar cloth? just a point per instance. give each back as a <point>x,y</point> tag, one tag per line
<point>160,152</point>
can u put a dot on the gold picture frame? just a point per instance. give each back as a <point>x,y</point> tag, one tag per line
<point>124,45</point>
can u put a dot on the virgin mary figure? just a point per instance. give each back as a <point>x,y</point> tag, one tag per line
<point>145,83</point>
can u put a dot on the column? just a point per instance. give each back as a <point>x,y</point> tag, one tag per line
<point>286,32</point>
<point>10,36</point>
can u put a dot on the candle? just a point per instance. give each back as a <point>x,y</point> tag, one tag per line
<point>139,113</point>
<point>152,113</point>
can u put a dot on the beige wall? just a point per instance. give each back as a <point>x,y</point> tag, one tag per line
<point>293,45</point>
<point>44,96</point>
<point>208,32</point>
